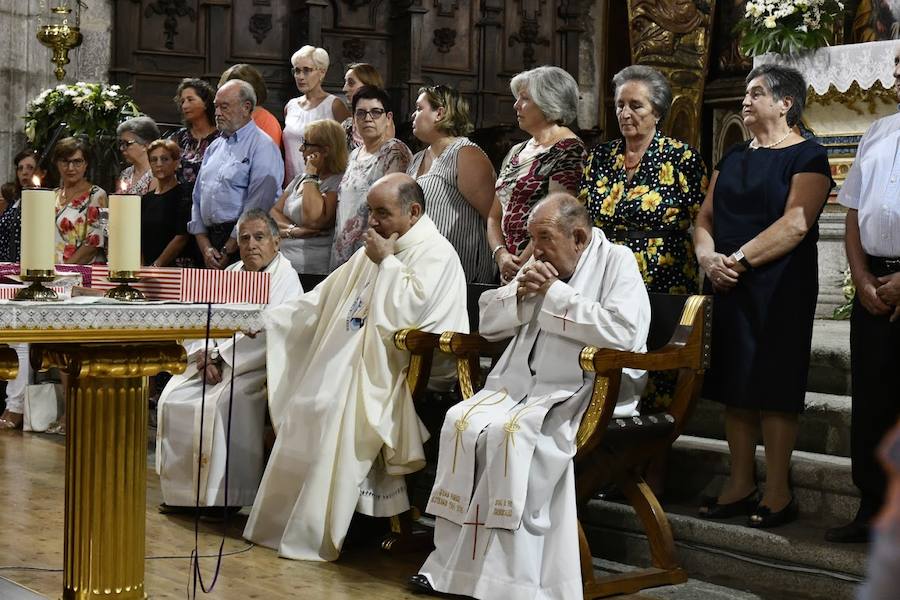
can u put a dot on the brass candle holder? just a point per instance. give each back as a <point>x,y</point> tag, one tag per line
<point>123,291</point>
<point>37,291</point>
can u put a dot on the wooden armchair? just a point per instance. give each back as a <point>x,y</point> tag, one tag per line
<point>615,450</point>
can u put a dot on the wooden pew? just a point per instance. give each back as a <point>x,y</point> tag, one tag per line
<point>615,450</point>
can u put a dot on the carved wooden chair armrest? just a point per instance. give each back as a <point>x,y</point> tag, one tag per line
<point>421,346</point>
<point>469,348</point>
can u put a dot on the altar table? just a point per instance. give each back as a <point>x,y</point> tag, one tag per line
<point>109,349</point>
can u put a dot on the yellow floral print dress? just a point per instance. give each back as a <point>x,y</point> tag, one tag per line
<point>652,215</point>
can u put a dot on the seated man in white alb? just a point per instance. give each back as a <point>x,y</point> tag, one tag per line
<point>347,428</point>
<point>505,488</point>
<point>178,431</point>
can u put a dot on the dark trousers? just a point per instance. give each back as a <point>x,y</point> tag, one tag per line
<point>875,372</point>
<point>218,235</point>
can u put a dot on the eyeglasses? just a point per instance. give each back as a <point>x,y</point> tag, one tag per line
<point>75,162</point>
<point>306,71</point>
<point>126,144</point>
<point>375,113</point>
<point>306,145</point>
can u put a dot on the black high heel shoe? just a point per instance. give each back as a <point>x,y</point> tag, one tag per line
<point>711,509</point>
<point>764,518</point>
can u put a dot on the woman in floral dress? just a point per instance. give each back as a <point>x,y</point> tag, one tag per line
<point>194,98</point>
<point>644,191</point>
<point>79,232</point>
<point>551,161</point>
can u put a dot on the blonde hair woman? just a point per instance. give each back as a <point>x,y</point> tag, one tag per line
<point>309,65</point>
<point>305,211</point>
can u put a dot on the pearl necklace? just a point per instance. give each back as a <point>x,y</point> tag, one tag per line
<point>754,144</point>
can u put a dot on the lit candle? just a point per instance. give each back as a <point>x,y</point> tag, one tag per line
<point>124,233</point>
<point>38,244</point>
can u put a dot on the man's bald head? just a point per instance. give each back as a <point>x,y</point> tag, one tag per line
<point>560,230</point>
<point>396,202</point>
<point>234,103</point>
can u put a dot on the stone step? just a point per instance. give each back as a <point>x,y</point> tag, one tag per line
<point>824,426</point>
<point>792,561</point>
<point>829,361</point>
<point>822,483</point>
<point>692,589</point>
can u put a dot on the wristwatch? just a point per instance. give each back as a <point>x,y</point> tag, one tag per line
<point>214,355</point>
<point>739,256</point>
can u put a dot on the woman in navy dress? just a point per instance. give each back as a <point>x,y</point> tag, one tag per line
<point>755,240</point>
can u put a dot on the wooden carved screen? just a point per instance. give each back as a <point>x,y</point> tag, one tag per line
<point>475,46</point>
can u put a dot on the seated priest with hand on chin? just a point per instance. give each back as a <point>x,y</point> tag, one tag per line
<point>178,450</point>
<point>347,430</point>
<point>504,496</point>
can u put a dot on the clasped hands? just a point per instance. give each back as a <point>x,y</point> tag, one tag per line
<point>722,271</point>
<point>880,295</point>
<point>536,278</point>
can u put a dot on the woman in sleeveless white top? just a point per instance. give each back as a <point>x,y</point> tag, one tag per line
<point>458,205</point>
<point>309,67</point>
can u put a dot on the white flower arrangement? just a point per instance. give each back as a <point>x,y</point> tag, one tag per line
<point>787,26</point>
<point>87,109</point>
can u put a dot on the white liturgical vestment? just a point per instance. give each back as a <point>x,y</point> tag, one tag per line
<point>179,410</point>
<point>505,489</point>
<point>338,395</point>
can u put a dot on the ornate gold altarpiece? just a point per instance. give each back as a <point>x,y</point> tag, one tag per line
<point>108,350</point>
<point>673,36</point>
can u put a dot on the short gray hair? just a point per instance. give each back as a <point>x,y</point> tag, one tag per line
<point>783,82</point>
<point>144,129</point>
<point>657,86</point>
<point>570,212</point>
<point>258,214</point>
<point>245,91</point>
<point>553,90</point>
<point>409,193</point>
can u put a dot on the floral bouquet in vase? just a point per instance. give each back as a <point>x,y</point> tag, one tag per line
<point>787,26</point>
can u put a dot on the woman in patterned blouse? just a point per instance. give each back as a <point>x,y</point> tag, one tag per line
<point>551,161</point>
<point>644,191</point>
<point>79,231</point>
<point>194,98</point>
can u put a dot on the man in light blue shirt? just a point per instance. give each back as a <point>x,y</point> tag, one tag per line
<point>241,170</point>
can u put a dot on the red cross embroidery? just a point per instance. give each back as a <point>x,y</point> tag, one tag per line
<point>563,319</point>
<point>476,523</point>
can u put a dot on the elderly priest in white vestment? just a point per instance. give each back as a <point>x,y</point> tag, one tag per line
<point>178,433</point>
<point>504,496</point>
<point>347,431</point>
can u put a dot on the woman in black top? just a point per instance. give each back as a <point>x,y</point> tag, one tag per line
<point>755,239</point>
<point>166,211</point>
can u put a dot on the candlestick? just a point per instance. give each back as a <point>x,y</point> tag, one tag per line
<point>38,244</point>
<point>124,233</point>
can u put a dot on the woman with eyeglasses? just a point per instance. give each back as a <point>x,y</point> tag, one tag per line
<point>305,211</point>
<point>134,136</point>
<point>456,176</point>
<point>165,211</point>
<point>194,98</point>
<point>79,232</point>
<point>380,154</point>
<point>357,76</point>
<point>309,65</point>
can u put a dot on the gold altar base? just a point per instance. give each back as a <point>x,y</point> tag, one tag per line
<point>36,291</point>
<point>123,291</point>
<point>106,463</point>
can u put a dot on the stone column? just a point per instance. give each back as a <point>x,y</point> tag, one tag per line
<point>832,260</point>
<point>27,69</point>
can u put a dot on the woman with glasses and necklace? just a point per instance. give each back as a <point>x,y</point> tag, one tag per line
<point>379,155</point>
<point>309,65</point>
<point>305,211</point>
<point>456,176</point>
<point>79,232</point>
<point>134,137</point>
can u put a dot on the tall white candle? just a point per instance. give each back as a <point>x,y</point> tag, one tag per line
<point>124,232</point>
<point>38,244</point>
